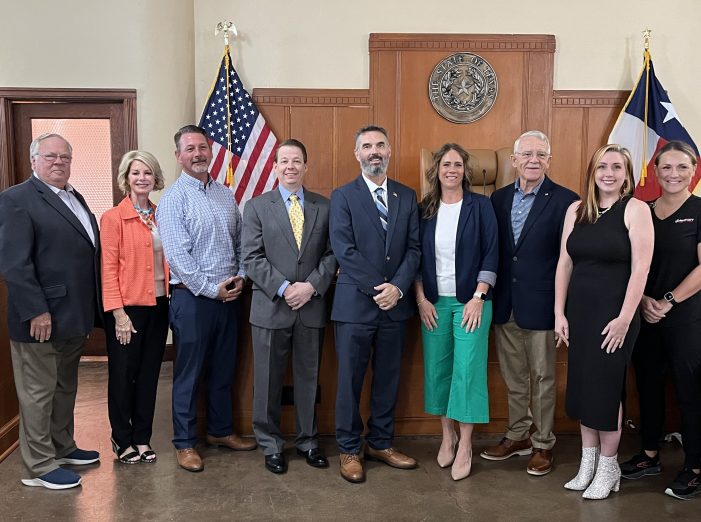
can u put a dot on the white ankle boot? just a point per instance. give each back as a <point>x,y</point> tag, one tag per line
<point>607,478</point>
<point>590,458</point>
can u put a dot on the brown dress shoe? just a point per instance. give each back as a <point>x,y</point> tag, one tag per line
<point>233,442</point>
<point>189,459</point>
<point>352,468</point>
<point>507,448</point>
<point>391,457</point>
<point>541,462</point>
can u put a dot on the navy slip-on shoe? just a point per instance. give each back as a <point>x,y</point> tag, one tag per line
<point>57,479</point>
<point>79,457</point>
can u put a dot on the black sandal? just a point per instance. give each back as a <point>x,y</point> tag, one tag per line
<point>124,455</point>
<point>148,456</point>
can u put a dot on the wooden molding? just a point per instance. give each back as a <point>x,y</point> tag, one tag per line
<point>312,97</point>
<point>9,437</point>
<point>590,98</point>
<point>19,94</point>
<point>458,42</point>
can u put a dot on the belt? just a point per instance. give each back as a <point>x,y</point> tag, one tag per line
<point>181,286</point>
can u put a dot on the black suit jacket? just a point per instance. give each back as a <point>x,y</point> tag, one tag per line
<point>526,275</point>
<point>48,261</point>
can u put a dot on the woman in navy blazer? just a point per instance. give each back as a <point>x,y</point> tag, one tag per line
<point>459,258</point>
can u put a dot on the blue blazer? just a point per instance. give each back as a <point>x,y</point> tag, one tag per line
<point>365,259</point>
<point>526,283</point>
<point>476,247</point>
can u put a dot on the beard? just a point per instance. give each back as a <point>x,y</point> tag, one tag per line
<point>374,169</point>
<point>200,166</point>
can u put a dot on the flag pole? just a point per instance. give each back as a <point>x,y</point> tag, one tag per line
<point>646,58</point>
<point>226,27</point>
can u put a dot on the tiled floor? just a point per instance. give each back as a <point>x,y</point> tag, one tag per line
<point>235,486</point>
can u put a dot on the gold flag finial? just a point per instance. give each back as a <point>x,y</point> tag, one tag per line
<point>646,38</point>
<point>226,27</point>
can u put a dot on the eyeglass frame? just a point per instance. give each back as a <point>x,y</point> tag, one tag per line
<point>52,158</point>
<point>539,155</point>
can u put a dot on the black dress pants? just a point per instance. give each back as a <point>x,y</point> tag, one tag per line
<point>133,372</point>
<point>658,350</point>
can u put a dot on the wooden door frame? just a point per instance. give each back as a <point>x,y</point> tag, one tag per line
<point>11,96</point>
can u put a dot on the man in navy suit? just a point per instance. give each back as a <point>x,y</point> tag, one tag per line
<point>49,256</point>
<point>374,229</point>
<point>529,214</point>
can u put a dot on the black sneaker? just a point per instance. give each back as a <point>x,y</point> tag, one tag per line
<point>685,486</point>
<point>641,465</point>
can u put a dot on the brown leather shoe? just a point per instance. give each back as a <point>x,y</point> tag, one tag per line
<point>189,459</point>
<point>352,468</point>
<point>541,462</point>
<point>507,448</point>
<point>233,442</point>
<point>391,457</point>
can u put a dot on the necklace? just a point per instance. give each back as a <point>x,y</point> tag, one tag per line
<point>600,212</point>
<point>146,215</point>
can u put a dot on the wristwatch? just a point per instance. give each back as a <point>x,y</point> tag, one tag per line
<point>669,297</point>
<point>480,295</point>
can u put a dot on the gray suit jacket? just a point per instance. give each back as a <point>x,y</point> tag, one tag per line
<point>271,256</point>
<point>49,263</point>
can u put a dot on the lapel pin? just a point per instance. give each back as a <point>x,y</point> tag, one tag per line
<point>394,194</point>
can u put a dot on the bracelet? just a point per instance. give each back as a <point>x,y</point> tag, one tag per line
<point>124,323</point>
<point>419,302</point>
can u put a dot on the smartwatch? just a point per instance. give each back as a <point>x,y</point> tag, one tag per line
<point>669,297</point>
<point>480,295</point>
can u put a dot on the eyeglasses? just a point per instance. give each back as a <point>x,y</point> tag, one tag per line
<point>51,158</point>
<point>529,154</point>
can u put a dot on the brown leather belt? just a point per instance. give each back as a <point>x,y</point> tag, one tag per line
<point>180,285</point>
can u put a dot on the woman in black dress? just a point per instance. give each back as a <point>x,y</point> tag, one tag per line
<point>607,244</point>
<point>670,334</point>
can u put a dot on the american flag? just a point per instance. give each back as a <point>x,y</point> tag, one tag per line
<point>243,146</point>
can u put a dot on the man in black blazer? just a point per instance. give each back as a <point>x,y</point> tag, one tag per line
<point>287,255</point>
<point>49,255</point>
<point>530,214</point>
<point>374,231</point>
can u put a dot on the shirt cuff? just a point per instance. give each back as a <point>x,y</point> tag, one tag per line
<point>485,276</point>
<point>283,287</point>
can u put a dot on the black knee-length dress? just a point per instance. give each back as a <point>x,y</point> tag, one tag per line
<point>601,257</point>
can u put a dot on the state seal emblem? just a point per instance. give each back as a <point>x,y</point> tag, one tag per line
<point>463,87</point>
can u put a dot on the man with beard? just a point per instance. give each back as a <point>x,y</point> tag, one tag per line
<point>374,229</point>
<point>200,227</point>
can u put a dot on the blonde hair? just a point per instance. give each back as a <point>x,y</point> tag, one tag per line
<point>147,159</point>
<point>588,211</point>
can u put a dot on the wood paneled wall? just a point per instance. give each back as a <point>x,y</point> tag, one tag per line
<point>9,408</point>
<point>325,121</point>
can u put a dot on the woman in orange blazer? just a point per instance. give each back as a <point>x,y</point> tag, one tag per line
<point>135,290</point>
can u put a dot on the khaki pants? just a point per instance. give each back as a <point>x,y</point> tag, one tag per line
<point>527,362</point>
<point>46,378</point>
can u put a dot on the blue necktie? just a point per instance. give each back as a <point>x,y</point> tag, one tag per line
<point>381,207</point>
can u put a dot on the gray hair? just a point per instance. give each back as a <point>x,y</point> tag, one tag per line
<point>147,159</point>
<point>34,146</point>
<point>369,128</point>
<point>532,134</point>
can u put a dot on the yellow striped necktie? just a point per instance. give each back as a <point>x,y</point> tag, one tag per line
<point>296,218</point>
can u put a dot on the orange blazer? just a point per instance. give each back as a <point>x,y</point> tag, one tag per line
<point>127,259</point>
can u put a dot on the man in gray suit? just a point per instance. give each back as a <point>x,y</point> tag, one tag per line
<point>49,255</point>
<point>288,257</point>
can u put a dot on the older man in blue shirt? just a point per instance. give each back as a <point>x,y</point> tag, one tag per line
<point>200,226</point>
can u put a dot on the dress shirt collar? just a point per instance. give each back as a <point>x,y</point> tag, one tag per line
<point>517,187</point>
<point>286,194</point>
<point>372,185</point>
<point>194,182</point>
<point>55,190</point>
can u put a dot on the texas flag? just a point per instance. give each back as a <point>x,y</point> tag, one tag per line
<point>648,121</point>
